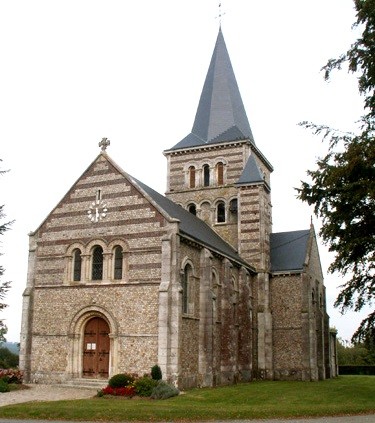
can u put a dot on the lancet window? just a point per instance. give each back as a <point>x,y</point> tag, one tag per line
<point>118,263</point>
<point>77,265</point>
<point>186,288</point>
<point>97,263</point>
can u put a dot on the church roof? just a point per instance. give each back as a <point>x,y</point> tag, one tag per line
<point>251,173</point>
<point>192,226</point>
<point>221,115</point>
<point>289,250</point>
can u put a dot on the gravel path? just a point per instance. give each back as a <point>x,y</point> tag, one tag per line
<point>46,393</point>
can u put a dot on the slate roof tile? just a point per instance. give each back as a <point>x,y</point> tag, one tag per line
<point>288,250</point>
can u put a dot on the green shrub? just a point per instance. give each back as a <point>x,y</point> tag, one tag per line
<point>156,372</point>
<point>8,359</point>
<point>144,386</point>
<point>4,387</point>
<point>163,391</point>
<point>121,380</point>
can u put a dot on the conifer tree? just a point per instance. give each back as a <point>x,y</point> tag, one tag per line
<point>4,286</point>
<point>342,188</point>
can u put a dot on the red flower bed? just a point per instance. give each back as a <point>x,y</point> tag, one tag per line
<point>127,391</point>
<point>11,375</point>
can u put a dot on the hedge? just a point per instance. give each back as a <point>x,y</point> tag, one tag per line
<point>357,370</point>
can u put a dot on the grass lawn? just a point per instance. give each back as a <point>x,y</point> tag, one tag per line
<point>255,400</point>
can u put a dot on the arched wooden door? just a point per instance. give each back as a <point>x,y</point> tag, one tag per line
<point>96,349</point>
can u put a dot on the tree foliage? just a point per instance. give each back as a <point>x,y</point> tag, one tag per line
<point>342,188</point>
<point>354,355</point>
<point>4,286</point>
<point>361,56</point>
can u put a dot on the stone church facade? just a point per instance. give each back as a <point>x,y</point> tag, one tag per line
<point>121,277</point>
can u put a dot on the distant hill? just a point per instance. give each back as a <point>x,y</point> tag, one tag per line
<point>12,347</point>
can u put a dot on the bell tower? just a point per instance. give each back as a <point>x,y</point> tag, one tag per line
<point>211,170</point>
<point>219,174</point>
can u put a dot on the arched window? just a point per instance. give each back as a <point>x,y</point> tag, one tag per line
<point>192,209</point>
<point>233,209</point>
<point>220,173</point>
<point>97,263</point>
<point>206,175</point>
<point>220,212</point>
<point>77,265</point>
<point>117,263</point>
<point>192,177</point>
<point>186,280</point>
<point>233,206</point>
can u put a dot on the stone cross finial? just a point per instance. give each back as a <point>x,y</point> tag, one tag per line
<point>221,13</point>
<point>104,143</point>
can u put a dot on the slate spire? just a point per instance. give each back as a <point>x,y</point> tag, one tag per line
<point>221,115</point>
<point>251,173</point>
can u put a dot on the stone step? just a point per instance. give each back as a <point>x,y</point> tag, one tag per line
<point>87,383</point>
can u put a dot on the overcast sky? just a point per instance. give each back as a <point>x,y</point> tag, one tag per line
<point>73,72</point>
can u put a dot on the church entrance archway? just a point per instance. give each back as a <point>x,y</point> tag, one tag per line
<point>96,345</point>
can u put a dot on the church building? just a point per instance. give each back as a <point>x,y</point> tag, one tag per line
<point>121,278</point>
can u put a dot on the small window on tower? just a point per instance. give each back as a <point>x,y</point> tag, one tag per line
<point>192,209</point>
<point>192,177</point>
<point>206,175</point>
<point>233,210</point>
<point>233,206</point>
<point>220,212</point>
<point>220,173</point>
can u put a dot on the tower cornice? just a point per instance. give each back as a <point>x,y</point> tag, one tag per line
<point>221,146</point>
